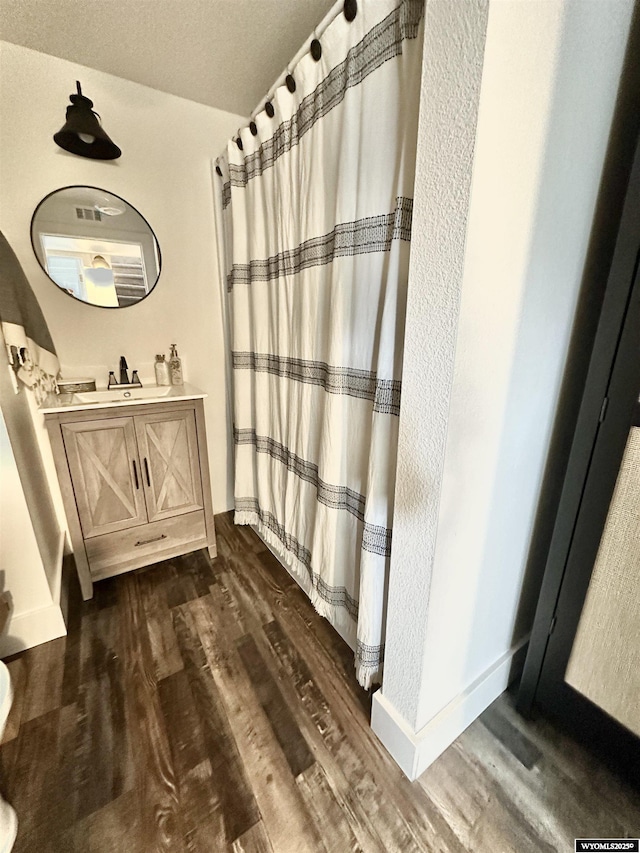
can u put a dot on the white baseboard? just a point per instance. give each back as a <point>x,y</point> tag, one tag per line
<point>415,751</point>
<point>29,629</point>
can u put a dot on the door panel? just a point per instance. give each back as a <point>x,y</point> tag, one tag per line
<point>103,458</point>
<point>604,665</point>
<point>589,676</point>
<point>169,456</point>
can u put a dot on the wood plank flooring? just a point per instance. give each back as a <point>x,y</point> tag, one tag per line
<point>204,706</point>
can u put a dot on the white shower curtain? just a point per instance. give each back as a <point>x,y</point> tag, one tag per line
<point>317,220</point>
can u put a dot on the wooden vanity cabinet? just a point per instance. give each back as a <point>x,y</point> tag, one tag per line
<point>135,485</point>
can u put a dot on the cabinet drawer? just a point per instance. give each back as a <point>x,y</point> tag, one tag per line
<point>114,553</point>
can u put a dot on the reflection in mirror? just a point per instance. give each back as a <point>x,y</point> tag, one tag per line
<point>95,246</point>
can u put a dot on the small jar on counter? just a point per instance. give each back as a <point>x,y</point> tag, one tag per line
<point>163,376</point>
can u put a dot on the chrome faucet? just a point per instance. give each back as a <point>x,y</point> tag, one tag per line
<point>124,377</point>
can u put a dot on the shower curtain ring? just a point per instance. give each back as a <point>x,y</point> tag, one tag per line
<point>350,9</point>
<point>316,48</point>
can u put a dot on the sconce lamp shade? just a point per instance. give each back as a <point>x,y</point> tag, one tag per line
<point>82,133</point>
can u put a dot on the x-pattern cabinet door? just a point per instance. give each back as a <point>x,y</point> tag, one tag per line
<point>171,471</point>
<point>103,459</point>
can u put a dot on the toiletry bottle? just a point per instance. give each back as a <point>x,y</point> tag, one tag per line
<point>163,376</point>
<point>175,367</point>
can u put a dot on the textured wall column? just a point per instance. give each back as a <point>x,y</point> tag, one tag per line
<point>496,268</point>
<point>451,76</point>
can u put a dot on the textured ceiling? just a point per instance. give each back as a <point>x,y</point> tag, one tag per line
<point>224,53</point>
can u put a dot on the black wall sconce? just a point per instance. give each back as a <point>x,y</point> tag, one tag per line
<point>82,133</point>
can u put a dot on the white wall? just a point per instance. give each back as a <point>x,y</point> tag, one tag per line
<point>451,75</point>
<point>42,520</point>
<point>35,617</point>
<point>168,144</point>
<point>463,520</point>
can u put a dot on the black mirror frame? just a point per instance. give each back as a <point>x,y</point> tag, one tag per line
<point>144,219</point>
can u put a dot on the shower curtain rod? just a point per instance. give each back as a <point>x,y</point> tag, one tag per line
<point>318,32</point>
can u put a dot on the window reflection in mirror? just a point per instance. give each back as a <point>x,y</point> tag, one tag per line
<point>95,246</point>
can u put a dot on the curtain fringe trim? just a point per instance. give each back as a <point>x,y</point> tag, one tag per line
<point>366,674</point>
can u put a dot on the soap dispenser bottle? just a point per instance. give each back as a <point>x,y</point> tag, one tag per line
<point>163,377</point>
<point>175,366</point>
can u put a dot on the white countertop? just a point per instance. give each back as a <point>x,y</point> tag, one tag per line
<point>109,398</point>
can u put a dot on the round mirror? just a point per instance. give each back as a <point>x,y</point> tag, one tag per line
<point>95,246</point>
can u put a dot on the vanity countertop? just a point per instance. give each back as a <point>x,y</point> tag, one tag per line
<point>109,398</point>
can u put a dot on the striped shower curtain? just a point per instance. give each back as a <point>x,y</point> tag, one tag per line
<point>317,203</point>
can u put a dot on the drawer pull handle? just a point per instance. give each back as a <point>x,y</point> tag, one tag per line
<point>146,471</point>
<point>135,474</point>
<point>149,541</point>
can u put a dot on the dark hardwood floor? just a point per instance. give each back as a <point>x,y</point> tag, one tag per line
<point>198,706</point>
